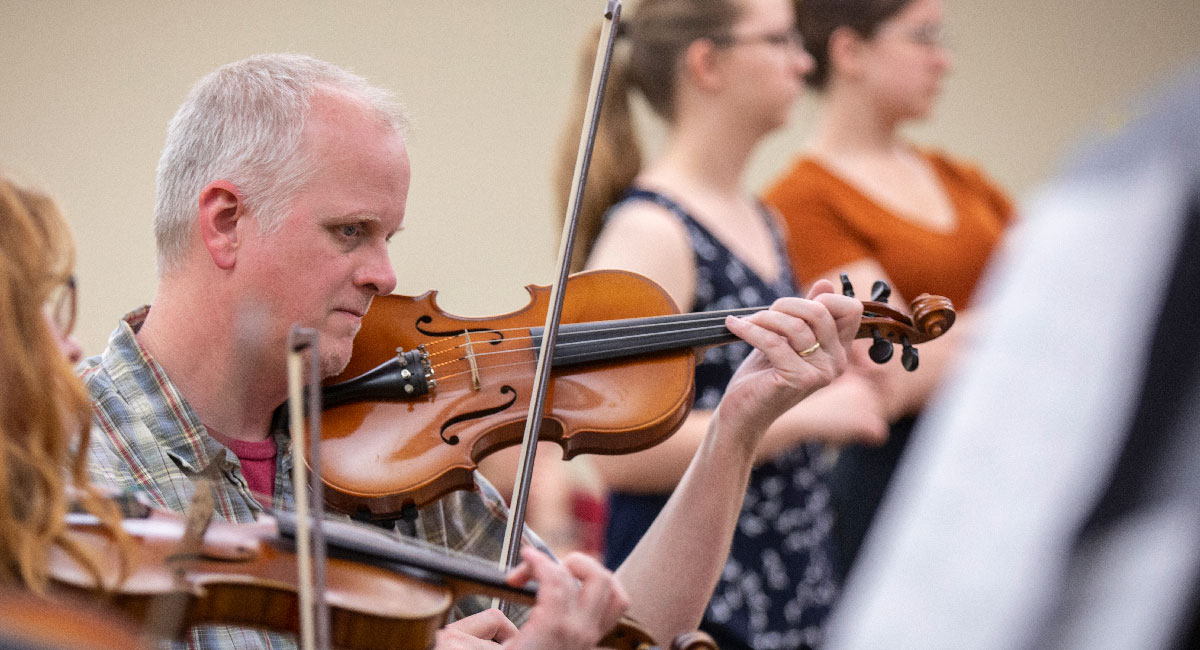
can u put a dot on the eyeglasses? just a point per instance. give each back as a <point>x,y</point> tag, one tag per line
<point>926,35</point>
<point>60,306</point>
<point>784,38</point>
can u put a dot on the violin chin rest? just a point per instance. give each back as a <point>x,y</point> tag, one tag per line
<point>230,547</point>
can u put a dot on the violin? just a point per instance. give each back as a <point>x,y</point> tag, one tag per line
<point>383,593</point>
<point>246,574</point>
<point>427,394</point>
<point>34,623</point>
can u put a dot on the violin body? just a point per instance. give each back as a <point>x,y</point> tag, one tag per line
<point>34,623</point>
<point>383,455</point>
<point>247,575</point>
<point>242,575</point>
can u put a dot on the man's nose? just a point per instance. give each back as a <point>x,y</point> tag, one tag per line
<point>377,273</point>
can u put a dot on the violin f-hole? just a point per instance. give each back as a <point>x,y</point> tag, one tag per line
<point>475,415</point>
<point>426,319</point>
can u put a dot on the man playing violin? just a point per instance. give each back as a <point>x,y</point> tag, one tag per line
<point>281,182</point>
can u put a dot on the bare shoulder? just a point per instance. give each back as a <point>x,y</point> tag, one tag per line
<point>638,227</point>
<point>646,238</point>
<point>644,218</point>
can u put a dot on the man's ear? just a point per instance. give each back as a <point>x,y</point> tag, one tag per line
<point>221,208</point>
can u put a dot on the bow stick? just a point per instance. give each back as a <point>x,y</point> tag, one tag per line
<point>516,521</point>
<point>310,539</point>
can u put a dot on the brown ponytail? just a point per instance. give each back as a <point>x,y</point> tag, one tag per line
<point>647,54</point>
<point>616,156</point>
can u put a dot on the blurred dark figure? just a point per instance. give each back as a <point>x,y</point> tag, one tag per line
<point>1052,499</point>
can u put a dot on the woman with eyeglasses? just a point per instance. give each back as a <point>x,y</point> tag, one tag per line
<point>865,201</point>
<point>722,74</point>
<point>44,412</point>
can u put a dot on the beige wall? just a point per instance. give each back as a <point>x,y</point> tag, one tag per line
<point>88,87</point>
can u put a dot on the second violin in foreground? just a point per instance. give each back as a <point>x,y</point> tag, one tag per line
<point>384,593</point>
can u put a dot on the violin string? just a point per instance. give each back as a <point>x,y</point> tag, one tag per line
<point>694,325</point>
<point>632,350</point>
<point>697,322</point>
<point>470,562</point>
<point>563,347</point>
<point>461,341</point>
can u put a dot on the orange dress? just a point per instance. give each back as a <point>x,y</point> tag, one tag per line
<point>831,224</point>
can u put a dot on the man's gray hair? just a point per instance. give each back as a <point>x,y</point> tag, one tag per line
<point>243,123</point>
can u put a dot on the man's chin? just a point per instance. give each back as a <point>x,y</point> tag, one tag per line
<point>333,366</point>
<point>335,356</point>
<point>337,345</point>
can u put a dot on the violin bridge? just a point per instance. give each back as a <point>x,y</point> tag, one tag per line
<point>471,360</point>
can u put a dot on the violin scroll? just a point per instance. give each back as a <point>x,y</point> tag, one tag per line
<point>931,317</point>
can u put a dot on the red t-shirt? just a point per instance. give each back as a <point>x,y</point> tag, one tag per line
<point>258,462</point>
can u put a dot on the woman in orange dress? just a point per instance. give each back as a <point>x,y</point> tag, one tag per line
<point>864,201</point>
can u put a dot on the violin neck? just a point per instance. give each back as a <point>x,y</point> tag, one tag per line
<point>616,339</point>
<point>465,574</point>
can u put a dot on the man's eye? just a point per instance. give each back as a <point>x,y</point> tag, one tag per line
<point>350,230</point>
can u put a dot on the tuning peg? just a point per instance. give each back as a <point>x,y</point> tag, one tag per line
<point>880,291</point>
<point>881,349</point>
<point>847,288</point>
<point>908,357</point>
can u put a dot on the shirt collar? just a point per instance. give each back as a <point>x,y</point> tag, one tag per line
<point>144,383</point>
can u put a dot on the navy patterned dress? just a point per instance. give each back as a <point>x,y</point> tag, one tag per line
<point>778,582</point>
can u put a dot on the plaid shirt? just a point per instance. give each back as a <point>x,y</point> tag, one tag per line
<point>146,438</point>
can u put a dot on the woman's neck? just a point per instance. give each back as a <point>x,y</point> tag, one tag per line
<point>704,152</point>
<point>851,126</point>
